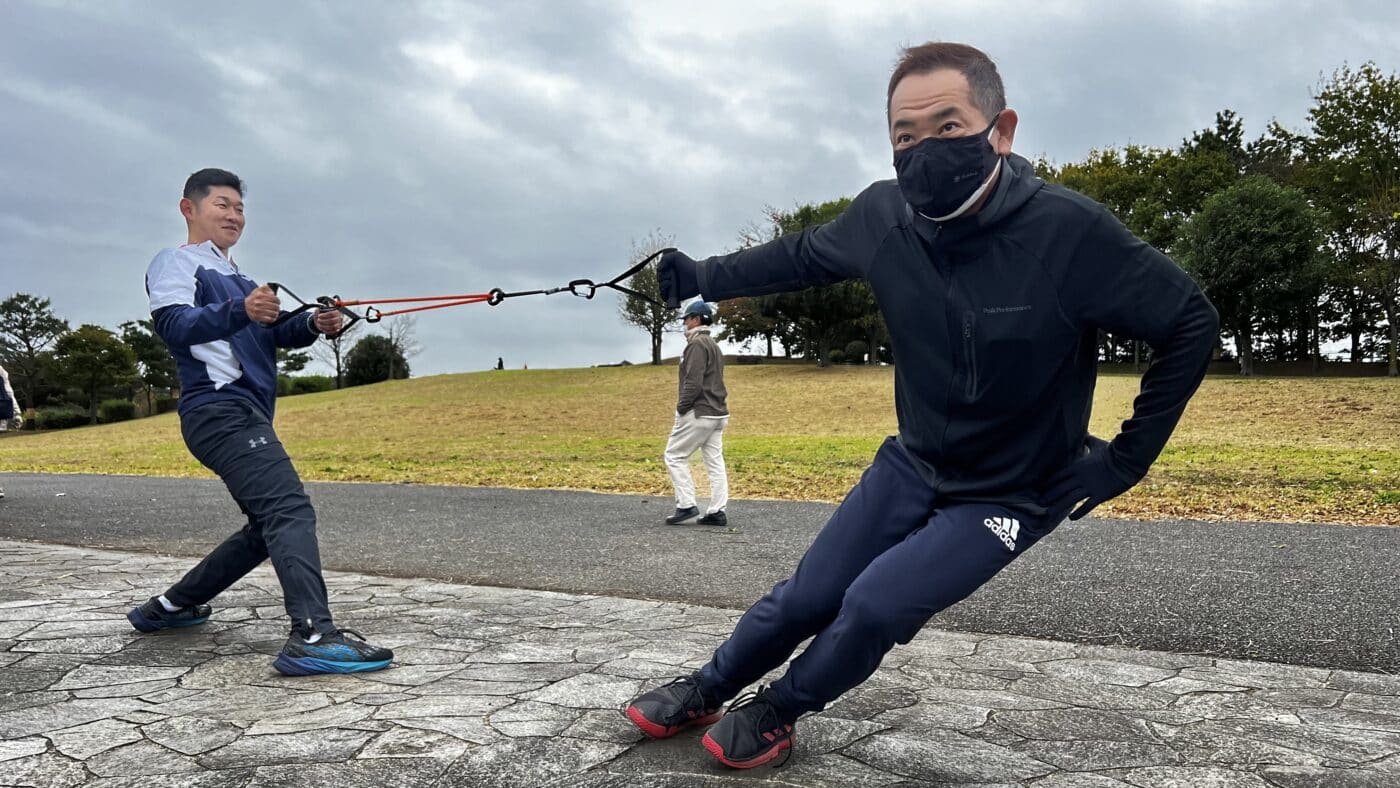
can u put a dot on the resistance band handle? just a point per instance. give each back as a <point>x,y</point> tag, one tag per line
<point>646,261</point>
<point>323,302</point>
<point>285,316</point>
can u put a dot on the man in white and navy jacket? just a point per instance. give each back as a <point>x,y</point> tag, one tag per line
<point>11,416</point>
<point>218,325</point>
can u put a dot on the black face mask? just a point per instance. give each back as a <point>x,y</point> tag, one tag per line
<point>938,175</point>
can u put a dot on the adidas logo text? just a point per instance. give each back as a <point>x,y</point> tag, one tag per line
<point>1006,529</point>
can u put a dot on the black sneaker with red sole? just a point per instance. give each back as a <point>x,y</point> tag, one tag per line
<point>753,732</point>
<point>672,707</point>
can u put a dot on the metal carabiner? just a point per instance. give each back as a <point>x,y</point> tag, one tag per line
<point>333,302</point>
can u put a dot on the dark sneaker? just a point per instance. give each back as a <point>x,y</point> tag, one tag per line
<point>681,515</point>
<point>333,653</point>
<point>714,518</point>
<point>677,704</point>
<point>152,616</point>
<point>753,732</point>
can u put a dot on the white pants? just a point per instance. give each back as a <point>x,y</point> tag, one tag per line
<point>706,434</point>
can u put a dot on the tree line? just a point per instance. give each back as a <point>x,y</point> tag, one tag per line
<point>66,376</point>
<point>1294,236</point>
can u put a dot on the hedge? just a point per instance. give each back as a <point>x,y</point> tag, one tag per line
<point>59,419</point>
<point>312,384</point>
<point>116,410</point>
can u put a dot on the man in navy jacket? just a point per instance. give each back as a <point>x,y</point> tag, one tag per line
<point>217,323</point>
<point>994,286</point>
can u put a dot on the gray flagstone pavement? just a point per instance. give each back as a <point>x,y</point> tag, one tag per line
<point>505,687</point>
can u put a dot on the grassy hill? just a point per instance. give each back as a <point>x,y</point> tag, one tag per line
<point>1277,449</point>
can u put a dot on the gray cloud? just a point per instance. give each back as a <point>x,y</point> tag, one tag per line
<point>406,149</point>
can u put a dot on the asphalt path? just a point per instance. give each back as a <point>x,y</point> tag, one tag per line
<point>1317,595</point>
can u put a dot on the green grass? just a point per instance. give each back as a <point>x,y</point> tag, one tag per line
<point>1310,450</point>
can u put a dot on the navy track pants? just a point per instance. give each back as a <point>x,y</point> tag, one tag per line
<point>234,440</point>
<point>890,557</point>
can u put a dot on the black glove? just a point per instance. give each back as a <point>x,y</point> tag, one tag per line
<point>1092,478</point>
<point>676,274</point>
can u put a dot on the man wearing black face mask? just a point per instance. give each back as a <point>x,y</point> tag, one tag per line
<point>994,286</point>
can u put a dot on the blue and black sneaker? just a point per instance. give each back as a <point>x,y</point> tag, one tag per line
<point>152,616</point>
<point>332,653</point>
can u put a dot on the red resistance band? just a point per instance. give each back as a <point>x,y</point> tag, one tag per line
<point>373,315</point>
<point>584,288</point>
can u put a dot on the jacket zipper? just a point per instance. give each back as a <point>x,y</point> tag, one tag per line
<point>970,352</point>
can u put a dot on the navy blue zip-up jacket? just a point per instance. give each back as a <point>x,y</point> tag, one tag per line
<point>994,322</point>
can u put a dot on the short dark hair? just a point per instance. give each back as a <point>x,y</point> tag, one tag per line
<point>197,186</point>
<point>983,81</point>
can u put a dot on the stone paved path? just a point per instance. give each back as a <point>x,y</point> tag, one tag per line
<point>496,687</point>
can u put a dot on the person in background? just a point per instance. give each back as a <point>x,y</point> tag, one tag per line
<point>11,417</point>
<point>701,416</point>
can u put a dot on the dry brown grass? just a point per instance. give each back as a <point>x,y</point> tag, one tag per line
<point>1311,450</point>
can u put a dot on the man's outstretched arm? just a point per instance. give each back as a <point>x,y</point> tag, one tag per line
<point>828,253</point>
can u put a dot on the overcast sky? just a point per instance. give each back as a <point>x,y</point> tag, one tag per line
<point>442,147</point>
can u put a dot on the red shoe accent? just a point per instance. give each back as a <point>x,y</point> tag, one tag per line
<point>758,760</point>
<point>656,731</point>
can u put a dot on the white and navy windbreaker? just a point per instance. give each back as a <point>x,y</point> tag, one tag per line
<point>197,306</point>
<point>9,406</point>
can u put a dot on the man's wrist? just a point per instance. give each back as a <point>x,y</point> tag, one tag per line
<point>701,278</point>
<point>240,314</point>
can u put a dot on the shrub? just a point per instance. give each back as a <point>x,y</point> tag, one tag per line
<point>837,357</point>
<point>59,419</point>
<point>116,410</point>
<point>312,384</point>
<point>284,386</point>
<point>166,404</point>
<point>856,350</point>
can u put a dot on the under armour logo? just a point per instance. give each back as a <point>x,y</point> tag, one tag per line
<point>1006,529</point>
<point>254,443</point>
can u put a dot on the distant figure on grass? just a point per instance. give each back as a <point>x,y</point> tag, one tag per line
<point>701,416</point>
<point>214,318</point>
<point>11,417</point>
<point>994,287</point>
<point>500,363</point>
